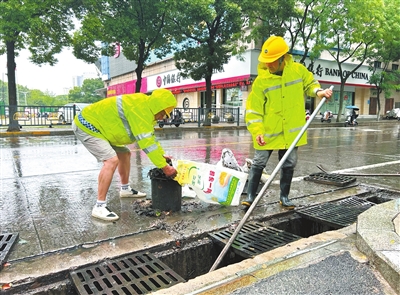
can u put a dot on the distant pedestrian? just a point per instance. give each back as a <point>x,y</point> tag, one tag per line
<point>107,126</point>
<point>275,113</point>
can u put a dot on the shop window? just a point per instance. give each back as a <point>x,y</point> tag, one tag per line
<point>232,97</point>
<point>333,104</point>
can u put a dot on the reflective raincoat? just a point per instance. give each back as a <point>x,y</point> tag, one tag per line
<point>125,119</point>
<point>276,105</point>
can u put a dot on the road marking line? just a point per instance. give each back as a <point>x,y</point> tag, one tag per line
<point>351,169</point>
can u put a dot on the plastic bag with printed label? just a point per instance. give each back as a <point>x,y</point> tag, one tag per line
<point>212,184</point>
<point>228,160</point>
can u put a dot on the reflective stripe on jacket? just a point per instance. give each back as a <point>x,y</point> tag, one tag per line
<point>125,119</point>
<point>276,105</point>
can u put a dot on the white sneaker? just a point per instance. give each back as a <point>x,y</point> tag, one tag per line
<point>104,213</point>
<point>131,193</point>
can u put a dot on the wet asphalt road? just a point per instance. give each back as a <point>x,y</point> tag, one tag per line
<point>49,183</point>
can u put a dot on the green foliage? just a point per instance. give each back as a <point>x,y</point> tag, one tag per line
<point>207,32</point>
<point>349,34</point>
<point>87,93</point>
<point>34,97</point>
<point>42,27</point>
<point>208,36</point>
<point>265,17</point>
<point>138,26</point>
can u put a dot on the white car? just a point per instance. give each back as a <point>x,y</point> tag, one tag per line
<point>66,113</point>
<point>393,114</point>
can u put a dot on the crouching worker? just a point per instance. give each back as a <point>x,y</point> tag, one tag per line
<point>275,113</point>
<point>107,126</point>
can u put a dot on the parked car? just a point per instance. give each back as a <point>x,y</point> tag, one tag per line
<point>66,113</point>
<point>393,114</point>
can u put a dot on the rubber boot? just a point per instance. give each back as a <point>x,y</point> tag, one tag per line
<point>285,182</point>
<point>252,186</point>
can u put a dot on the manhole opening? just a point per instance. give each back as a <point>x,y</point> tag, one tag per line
<point>196,258</point>
<point>301,226</point>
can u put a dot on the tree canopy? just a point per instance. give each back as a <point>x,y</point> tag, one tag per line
<point>204,34</point>
<point>87,93</point>
<point>207,34</point>
<point>42,27</point>
<point>138,26</point>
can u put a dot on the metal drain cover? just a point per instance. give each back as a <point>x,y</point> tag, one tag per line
<point>337,214</point>
<point>254,239</point>
<point>330,178</point>
<point>139,273</point>
<point>6,242</point>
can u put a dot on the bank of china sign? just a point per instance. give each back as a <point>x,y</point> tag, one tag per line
<point>328,71</point>
<point>325,71</point>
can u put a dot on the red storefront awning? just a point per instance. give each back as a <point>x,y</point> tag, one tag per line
<point>215,84</point>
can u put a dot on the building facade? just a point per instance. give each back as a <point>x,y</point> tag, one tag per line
<point>232,85</point>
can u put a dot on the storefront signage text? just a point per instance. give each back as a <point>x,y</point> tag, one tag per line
<point>175,78</point>
<point>336,73</point>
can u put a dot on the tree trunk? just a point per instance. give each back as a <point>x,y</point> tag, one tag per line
<point>139,72</point>
<point>341,102</point>
<point>208,114</point>
<point>378,104</point>
<point>12,87</point>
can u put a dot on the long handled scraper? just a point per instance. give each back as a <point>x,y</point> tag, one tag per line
<point>264,188</point>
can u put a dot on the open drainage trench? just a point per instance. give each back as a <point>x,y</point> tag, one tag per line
<point>146,272</point>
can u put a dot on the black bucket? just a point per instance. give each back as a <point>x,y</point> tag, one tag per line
<point>166,193</point>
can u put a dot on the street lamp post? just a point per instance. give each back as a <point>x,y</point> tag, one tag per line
<point>2,89</point>
<point>25,93</point>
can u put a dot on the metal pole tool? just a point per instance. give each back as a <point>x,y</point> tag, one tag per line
<point>264,188</point>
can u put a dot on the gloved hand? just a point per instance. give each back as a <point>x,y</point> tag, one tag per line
<point>169,171</point>
<point>168,159</point>
<point>260,139</point>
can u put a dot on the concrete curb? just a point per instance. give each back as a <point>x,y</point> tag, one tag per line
<point>376,237</point>
<point>378,240</point>
<point>232,277</point>
<point>45,132</point>
<point>38,131</point>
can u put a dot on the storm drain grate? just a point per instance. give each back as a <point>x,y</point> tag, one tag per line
<point>6,242</point>
<point>254,239</point>
<point>337,214</point>
<point>139,273</point>
<point>331,178</point>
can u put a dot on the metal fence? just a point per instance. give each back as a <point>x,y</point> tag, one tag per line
<point>216,115</point>
<point>38,115</point>
<point>63,115</point>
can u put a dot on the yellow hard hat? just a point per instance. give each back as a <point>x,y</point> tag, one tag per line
<point>273,48</point>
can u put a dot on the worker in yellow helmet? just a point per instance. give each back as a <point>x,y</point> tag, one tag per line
<point>275,112</point>
<point>107,126</point>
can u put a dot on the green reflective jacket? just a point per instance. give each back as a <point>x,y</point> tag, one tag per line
<point>275,106</point>
<point>125,119</point>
